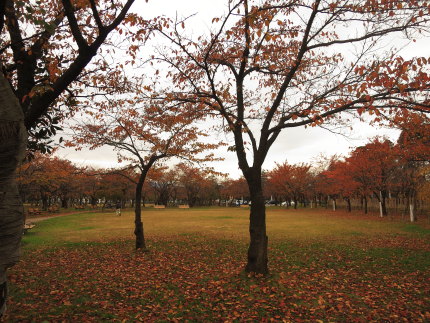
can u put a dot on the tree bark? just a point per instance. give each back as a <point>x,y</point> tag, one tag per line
<point>411,202</point>
<point>257,251</point>
<point>138,225</point>
<point>44,202</point>
<point>365,205</point>
<point>13,141</point>
<point>348,203</point>
<point>382,203</point>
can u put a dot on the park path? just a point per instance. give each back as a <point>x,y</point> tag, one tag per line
<point>41,218</point>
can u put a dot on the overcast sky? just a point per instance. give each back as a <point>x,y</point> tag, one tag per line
<point>294,145</point>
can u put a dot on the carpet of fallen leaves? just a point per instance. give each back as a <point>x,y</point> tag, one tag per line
<point>201,279</point>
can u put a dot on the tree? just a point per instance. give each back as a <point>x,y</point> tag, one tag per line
<point>49,177</point>
<point>413,156</point>
<point>143,133</point>
<point>294,64</point>
<point>292,181</point>
<point>195,183</point>
<point>373,166</point>
<point>40,62</point>
<point>232,189</point>
<point>164,184</point>
<point>91,184</point>
<point>338,181</point>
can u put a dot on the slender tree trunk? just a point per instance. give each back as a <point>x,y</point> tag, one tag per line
<point>44,202</point>
<point>348,202</point>
<point>138,225</point>
<point>93,201</point>
<point>412,211</point>
<point>365,205</point>
<point>257,251</point>
<point>382,203</point>
<point>13,141</point>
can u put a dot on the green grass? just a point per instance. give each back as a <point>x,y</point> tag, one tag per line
<point>413,228</point>
<point>324,266</point>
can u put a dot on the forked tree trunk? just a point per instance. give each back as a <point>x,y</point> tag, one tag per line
<point>257,251</point>
<point>13,141</point>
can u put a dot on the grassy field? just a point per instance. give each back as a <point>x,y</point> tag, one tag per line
<point>324,266</point>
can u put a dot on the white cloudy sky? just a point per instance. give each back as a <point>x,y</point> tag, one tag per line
<point>294,145</point>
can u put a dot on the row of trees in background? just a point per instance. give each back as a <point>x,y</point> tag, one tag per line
<point>379,171</point>
<point>46,180</point>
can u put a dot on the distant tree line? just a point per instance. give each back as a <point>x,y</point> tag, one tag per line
<point>377,174</point>
<point>393,177</point>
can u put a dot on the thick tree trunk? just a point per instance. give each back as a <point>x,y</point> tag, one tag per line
<point>13,141</point>
<point>64,203</point>
<point>257,251</point>
<point>138,225</point>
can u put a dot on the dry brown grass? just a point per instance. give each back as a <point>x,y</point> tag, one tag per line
<point>230,223</point>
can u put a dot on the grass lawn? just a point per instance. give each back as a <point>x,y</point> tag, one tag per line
<point>324,266</point>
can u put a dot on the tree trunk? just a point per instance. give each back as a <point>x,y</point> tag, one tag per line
<point>44,202</point>
<point>64,203</point>
<point>93,201</point>
<point>138,225</point>
<point>365,205</point>
<point>348,202</point>
<point>412,213</point>
<point>382,203</point>
<point>13,141</point>
<point>257,251</point>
